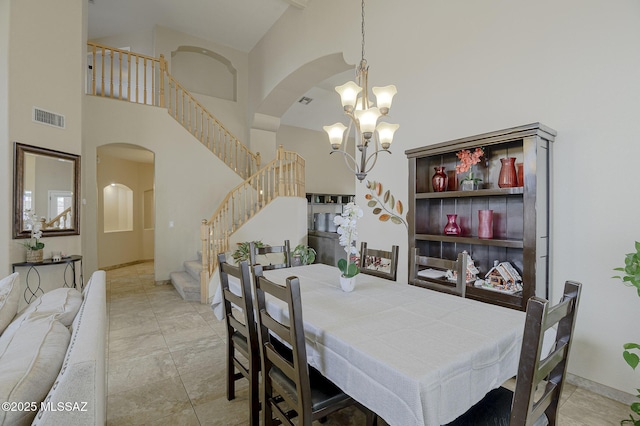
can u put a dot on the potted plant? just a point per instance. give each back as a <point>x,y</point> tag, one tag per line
<point>34,246</point>
<point>467,160</point>
<point>242,251</point>
<point>631,278</point>
<point>302,255</point>
<point>347,222</point>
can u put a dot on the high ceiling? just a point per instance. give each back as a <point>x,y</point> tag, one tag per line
<point>239,24</point>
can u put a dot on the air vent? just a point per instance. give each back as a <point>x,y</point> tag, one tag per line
<point>305,100</point>
<point>47,117</point>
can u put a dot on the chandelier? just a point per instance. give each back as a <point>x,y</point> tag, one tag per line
<point>363,118</point>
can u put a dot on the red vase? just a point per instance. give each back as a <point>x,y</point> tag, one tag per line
<point>439,180</point>
<point>485,224</point>
<point>452,227</point>
<point>508,177</point>
<point>520,168</point>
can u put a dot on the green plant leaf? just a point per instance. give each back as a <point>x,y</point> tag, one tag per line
<point>631,346</point>
<point>352,270</point>
<point>631,359</point>
<point>635,407</point>
<point>342,265</point>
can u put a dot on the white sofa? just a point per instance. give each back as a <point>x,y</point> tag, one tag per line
<point>52,356</point>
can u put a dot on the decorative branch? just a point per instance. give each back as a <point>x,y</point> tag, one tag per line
<point>391,207</point>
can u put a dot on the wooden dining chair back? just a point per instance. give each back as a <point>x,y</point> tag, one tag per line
<point>536,370</point>
<point>289,386</point>
<point>243,351</point>
<point>374,261</point>
<point>459,266</point>
<point>255,251</point>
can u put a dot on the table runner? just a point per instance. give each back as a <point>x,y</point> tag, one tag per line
<point>412,355</point>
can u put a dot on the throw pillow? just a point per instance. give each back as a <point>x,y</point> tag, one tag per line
<point>30,361</point>
<point>63,303</point>
<point>9,299</point>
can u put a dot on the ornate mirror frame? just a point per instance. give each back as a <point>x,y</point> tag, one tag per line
<point>19,168</point>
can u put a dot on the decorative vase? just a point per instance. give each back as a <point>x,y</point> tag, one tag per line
<point>34,255</point>
<point>452,227</point>
<point>520,168</point>
<point>439,180</point>
<point>485,224</point>
<point>452,180</point>
<point>347,284</point>
<point>508,177</point>
<point>468,185</point>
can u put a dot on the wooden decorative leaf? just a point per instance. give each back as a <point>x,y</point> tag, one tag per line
<point>372,203</point>
<point>377,210</point>
<point>396,220</point>
<point>386,196</point>
<point>392,202</point>
<point>379,189</point>
<point>399,208</point>
<point>368,196</point>
<point>384,217</point>
<point>368,184</point>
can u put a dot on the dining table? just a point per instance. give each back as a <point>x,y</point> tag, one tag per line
<point>414,356</point>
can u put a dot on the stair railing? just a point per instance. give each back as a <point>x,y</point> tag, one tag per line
<point>283,176</point>
<point>124,75</point>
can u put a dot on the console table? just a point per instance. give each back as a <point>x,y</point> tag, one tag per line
<point>32,291</point>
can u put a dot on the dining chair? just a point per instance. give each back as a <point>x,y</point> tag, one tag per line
<point>459,266</point>
<point>525,406</point>
<point>370,257</point>
<point>285,249</point>
<point>242,336</point>
<point>290,387</point>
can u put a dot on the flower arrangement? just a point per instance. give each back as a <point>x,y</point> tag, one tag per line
<point>348,235</point>
<point>33,222</point>
<point>467,160</point>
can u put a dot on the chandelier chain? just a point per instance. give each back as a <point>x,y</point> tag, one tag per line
<point>362,30</point>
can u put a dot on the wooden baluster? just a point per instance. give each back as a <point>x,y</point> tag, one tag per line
<point>120,75</point>
<point>144,92</point>
<point>162,71</point>
<point>93,70</point>
<point>137,79</point>
<point>201,125</point>
<point>129,77</point>
<point>111,73</point>
<point>102,76</point>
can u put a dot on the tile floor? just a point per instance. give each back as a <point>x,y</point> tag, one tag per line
<point>166,363</point>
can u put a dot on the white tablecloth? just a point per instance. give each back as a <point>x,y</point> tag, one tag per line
<point>412,355</point>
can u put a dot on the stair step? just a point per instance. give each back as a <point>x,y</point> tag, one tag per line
<point>186,285</point>
<point>193,268</point>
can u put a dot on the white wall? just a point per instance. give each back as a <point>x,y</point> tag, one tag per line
<point>324,173</point>
<point>233,115</point>
<point>190,182</point>
<point>41,75</point>
<point>6,165</point>
<point>464,68</point>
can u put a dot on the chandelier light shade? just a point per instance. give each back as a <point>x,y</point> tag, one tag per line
<point>364,117</point>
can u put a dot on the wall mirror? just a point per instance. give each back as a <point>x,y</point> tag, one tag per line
<point>46,184</point>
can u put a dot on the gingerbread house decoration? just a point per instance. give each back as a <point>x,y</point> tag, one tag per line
<point>503,275</point>
<point>472,271</point>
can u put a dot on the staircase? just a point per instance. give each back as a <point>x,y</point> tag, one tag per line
<point>124,75</point>
<point>187,282</point>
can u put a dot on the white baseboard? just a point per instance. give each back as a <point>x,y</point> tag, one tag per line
<point>600,389</point>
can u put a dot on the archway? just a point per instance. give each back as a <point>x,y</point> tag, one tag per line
<point>126,213</point>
